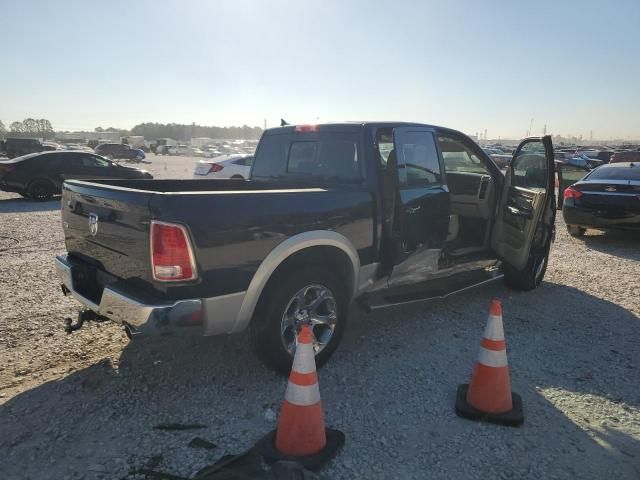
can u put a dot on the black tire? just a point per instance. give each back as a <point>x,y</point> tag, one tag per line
<point>531,275</point>
<point>576,231</point>
<point>265,335</point>
<point>237,177</point>
<point>41,190</point>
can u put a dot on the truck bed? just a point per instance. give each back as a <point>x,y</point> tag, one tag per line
<point>232,225</point>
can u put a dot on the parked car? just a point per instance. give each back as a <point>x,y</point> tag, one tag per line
<point>197,152</point>
<point>590,162</point>
<point>578,160</point>
<point>117,151</point>
<point>630,156</point>
<point>608,197</point>
<point>502,159</point>
<point>383,213</point>
<point>236,167</point>
<point>179,150</point>
<point>212,152</point>
<point>605,155</point>
<point>40,175</point>
<point>16,147</point>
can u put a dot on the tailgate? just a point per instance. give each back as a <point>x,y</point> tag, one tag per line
<point>108,227</point>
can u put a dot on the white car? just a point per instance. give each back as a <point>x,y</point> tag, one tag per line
<point>179,150</point>
<point>236,167</point>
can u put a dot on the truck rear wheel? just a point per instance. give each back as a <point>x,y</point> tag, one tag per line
<point>313,296</point>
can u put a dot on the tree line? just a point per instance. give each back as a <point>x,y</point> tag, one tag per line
<point>42,128</point>
<point>179,131</point>
<point>29,127</point>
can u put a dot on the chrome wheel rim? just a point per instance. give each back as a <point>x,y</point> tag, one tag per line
<point>314,305</point>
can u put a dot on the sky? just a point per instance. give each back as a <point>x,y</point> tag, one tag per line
<point>502,66</point>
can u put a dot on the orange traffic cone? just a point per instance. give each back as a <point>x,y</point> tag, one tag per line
<point>301,434</point>
<point>488,396</point>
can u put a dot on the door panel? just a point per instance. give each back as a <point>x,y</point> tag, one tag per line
<point>423,208</point>
<point>527,206</point>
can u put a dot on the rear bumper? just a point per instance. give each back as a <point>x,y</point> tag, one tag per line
<point>11,187</point>
<point>622,219</point>
<point>196,316</point>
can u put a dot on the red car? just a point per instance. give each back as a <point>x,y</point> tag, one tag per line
<point>625,157</point>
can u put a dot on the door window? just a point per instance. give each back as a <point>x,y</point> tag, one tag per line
<point>89,161</point>
<point>458,157</point>
<point>92,161</point>
<point>529,166</point>
<point>418,164</point>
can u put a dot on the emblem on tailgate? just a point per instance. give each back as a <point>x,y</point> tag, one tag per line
<point>93,224</point>
<point>610,189</point>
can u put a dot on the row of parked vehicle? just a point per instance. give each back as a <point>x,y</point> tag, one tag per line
<point>581,157</point>
<point>209,151</point>
<point>40,175</point>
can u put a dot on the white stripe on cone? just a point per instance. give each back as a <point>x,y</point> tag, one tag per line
<point>302,396</point>
<point>304,360</point>
<point>494,329</point>
<point>492,358</point>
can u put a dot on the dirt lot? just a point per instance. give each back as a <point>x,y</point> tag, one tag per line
<point>84,406</point>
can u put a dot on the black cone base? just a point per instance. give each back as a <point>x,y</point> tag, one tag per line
<point>266,447</point>
<point>512,418</point>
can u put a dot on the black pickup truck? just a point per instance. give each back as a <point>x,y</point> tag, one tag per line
<point>381,213</point>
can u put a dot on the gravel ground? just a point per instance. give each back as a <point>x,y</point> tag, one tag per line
<point>84,405</point>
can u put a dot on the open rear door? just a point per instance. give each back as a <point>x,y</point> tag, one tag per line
<point>524,224</point>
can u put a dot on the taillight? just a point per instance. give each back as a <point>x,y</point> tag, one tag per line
<point>572,193</point>
<point>6,168</point>
<point>171,255</point>
<point>215,167</point>
<point>307,128</point>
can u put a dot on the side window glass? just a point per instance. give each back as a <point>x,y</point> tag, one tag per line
<point>91,161</point>
<point>418,164</point>
<point>385,145</point>
<point>458,157</point>
<point>572,174</point>
<point>271,156</point>
<point>529,166</point>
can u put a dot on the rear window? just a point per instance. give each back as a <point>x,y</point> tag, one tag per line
<point>330,156</point>
<point>615,173</point>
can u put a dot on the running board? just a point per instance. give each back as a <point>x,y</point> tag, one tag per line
<point>383,299</point>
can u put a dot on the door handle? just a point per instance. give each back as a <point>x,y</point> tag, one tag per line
<point>411,210</point>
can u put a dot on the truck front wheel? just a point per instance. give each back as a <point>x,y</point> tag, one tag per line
<point>313,296</point>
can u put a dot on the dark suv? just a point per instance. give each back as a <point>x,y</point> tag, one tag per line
<point>40,175</point>
<point>119,151</point>
<point>15,147</point>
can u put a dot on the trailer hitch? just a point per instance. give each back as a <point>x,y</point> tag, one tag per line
<point>83,316</point>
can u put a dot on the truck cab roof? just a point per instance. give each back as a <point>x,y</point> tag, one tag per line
<point>351,126</point>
